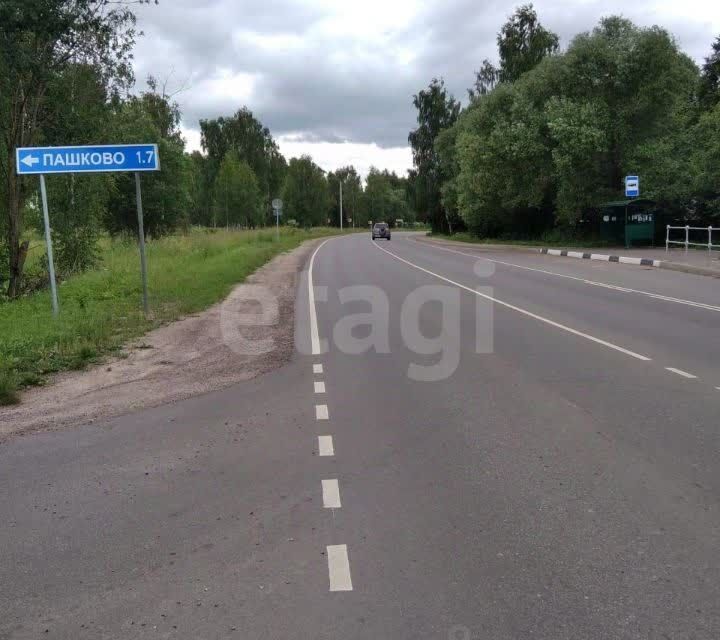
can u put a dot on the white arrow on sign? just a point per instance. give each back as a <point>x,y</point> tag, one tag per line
<point>30,161</point>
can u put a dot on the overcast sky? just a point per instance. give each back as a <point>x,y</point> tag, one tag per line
<point>335,78</point>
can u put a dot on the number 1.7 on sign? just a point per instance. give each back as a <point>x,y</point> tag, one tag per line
<point>146,157</point>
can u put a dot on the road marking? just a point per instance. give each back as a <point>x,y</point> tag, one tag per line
<point>339,568</point>
<point>314,336</point>
<point>319,387</point>
<point>317,368</point>
<point>530,314</point>
<point>649,294</point>
<point>325,446</point>
<point>682,373</point>
<point>321,412</point>
<point>331,494</point>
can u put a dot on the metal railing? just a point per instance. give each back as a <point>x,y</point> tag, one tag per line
<point>686,242</point>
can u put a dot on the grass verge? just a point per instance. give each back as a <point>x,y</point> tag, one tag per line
<point>101,310</point>
<point>549,241</point>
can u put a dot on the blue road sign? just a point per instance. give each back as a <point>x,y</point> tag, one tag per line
<point>92,159</point>
<point>632,186</point>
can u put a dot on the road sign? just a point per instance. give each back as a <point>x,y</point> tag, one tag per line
<point>277,208</point>
<point>88,159</point>
<point>632,186</point>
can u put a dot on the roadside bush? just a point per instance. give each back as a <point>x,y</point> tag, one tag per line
<point>8,389</point>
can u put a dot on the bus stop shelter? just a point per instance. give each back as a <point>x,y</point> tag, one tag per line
<point>628,221</point>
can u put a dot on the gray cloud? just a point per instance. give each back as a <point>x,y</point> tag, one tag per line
<point>304,79</point>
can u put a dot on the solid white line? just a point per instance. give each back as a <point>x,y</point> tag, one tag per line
<point>331,494</point>
<point>317,368</point>
<point>339,568</point>
<point>325,446</point>
<point>319,387</point>
<point>552,323</point>
<point>314,336</point>
<point>657,296</point>
<point>321,412</point>
<point>682,373</point>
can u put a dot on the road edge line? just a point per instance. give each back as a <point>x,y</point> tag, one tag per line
<point>314,334</point>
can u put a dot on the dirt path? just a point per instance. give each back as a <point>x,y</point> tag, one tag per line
<point>214,349</point>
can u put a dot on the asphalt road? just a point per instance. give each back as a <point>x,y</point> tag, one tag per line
<point>557,477</point>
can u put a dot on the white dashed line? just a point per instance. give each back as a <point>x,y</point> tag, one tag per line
<point>331,494</point>
<point>321,412</point>
<point>319,387</point>
<point>339,568</point>
<point>325,446</point>
<point>682,373</point>
<point>317,368</point>
<point>535,316</point>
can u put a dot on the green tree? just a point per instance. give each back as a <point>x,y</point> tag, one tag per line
<point>200,189</point>
<point>437,110</point>
<point>151,117</point>
<point>352,195</point>
<point>710,81</point>
<point>246,135</point>
<point>486,80</point>
<point>306,197</point>
<point>237,194</point>
<point>522,43</point>
<point>378,194</point>
<point>705,164</point>
<point>225,193</point>
<point>38,40</point>
<point>77,112</point>
<point>557,141</point>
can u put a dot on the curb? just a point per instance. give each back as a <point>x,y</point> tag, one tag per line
<point>566,253</point>
<point>647,262</point>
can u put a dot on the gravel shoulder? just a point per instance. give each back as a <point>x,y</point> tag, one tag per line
<point>226,344</point>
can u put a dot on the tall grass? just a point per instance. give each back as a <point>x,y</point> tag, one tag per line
<point>553,238</point>
<point>101,310</point>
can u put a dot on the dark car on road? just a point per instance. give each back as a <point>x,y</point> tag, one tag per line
<point>381,230</point>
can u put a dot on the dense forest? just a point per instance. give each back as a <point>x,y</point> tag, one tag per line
<point>548,134</point>
<point>66,78</point>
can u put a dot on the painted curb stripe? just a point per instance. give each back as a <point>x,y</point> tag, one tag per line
<point>563,253</point>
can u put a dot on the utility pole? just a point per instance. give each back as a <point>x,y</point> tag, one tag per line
<point>341,211</point>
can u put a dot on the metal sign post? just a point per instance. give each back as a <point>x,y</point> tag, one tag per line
<point>141,243</point>
<point>341,203</point>
<point>277,206</point>
<point>89,159</point>
<point>48,241</point>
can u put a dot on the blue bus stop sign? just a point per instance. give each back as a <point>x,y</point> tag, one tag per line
<point>632,186</point>
<point>88,159</point>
